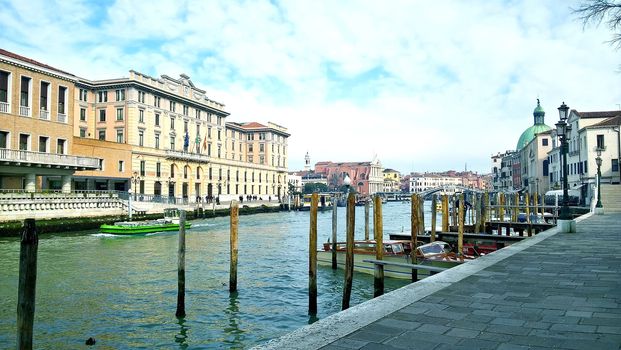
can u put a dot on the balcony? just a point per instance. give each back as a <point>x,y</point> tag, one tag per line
<point>43,114</point>
<point>180,155</point>
<point>62,118</point>
<point>24,111</point>
<point>49,160</point>
<point>5,107</point>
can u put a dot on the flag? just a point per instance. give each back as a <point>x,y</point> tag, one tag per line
<point>205,143</point>
<point>186,141</point>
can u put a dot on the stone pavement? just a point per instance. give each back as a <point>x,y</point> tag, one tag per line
<point>554,290</point>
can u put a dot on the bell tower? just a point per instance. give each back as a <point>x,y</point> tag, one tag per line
<point>307,166</point>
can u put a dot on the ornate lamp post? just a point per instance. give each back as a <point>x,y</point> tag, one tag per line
<point>135,180</point>
<point>129,204</point>
<point>598,160</point>
<point>347,182</point>
<point>171,183</point>
<point>565,223</point>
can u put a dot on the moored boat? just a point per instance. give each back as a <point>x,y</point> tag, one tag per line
<point>170,222</point>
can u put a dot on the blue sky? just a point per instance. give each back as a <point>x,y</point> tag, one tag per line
<point>424,86</point>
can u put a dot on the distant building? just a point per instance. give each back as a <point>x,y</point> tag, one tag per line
<point>392,180</point>
<point>366,177</point>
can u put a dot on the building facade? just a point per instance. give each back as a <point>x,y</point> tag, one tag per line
<point>36,133</point>
<point>392,180</point>
<point>366,177</point>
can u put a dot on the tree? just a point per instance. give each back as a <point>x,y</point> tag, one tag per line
<point>598,11</point>
<point>315,187</point>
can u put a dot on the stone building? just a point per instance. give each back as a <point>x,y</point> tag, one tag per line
<point>366,177</point>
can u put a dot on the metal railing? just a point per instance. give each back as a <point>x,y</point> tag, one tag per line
<point>47,158</point>
<point>187,156</point>
<point>62,118</point>
<point>24,111</point>
<point>43,114</point>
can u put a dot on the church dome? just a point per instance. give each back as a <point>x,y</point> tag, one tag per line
<point>539,126</point>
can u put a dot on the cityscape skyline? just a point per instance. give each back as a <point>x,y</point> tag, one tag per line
<point>350,80</point>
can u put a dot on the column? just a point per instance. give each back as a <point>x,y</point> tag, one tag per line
<point>30,182</point>
<point>66,180</point>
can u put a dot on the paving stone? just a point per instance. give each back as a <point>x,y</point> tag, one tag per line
<point>581,314</point>
<point>513,330</point>
<point>609,329</point>
<point>398,324</point>
<point>369,336</point>
<point>597,321</point>
<point>479,344</point>
<point>512,347</point>
<point>508,321</point>
<point>467,324</point>
<point>376,346</point>
<point>493,336</point>
<point>573,328</point>
<point>381,329</point>
<point>407,341</point>
<point>462,333</point>
<point>446,314</point>
<point>433,328</point>
<point>346,343</point>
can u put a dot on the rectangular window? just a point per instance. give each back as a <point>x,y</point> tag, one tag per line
<point>158,169</point>
<point>186,110</point>
<point>140,138</point>
<point>44,92</point>
<point>83,95</point>
<point>102,115</point>
<point>250,148</point>
<point>209,149</point>
<point>210,174</point>
<point>141,115</point>
<point>119,114</point>
<point>157,119</point>
<point>157,141</point>
<point>219,133</point>
<point>185,127</point>
<point>62,95</point>
<point>544,142</point>
<point>173,106</point>
<point>121,166</point>
<point>101,134</point>
<point>172,143</point>
<point>156,101</point>
<point>261,147</point>
<point>172,123</point>
<point>4,89</point>
<point>60,146</point>
<point>101,164</point>
<point>83,114</point>
<point>600,142</point>
<point>43,144</point>
<point>198,114</point>
<point>209,132</point>
<point>102,96</point>
<point>82,132</point>
<point>24,141</point>
<point>615,165</point>
<point>141,96</point>
<point>119,136</point>
<point>120,95</point>
<point>24,96</point>
<point>142,168</point>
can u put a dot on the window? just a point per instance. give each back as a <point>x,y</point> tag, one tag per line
<point>60,146</point>
<point>198,174</point>
<point>198,130</point>
<point>185,126</point>
<point>140,138</point>
<point>157,119</point>
<point>157,141</point>
<point>544,142</point>
<point>261,147</point>
<point>141,96</point>
<point>250,137</point>
<point>4,89</point>
<point>219,120</point>
<point>82,132</point>
<point>43,98</point>
<point>600,142</point>
<point>198,114</point>
<point>220,174</point>
<point>233,146</point>
<point>210,177</point>
<point>143,166</point>
<point>209,131</point>
<point>62,99</point>
<point>120,95</point>
<point>83,95</point>
<point>102,96</point>
<point>158,169</point>
<point>156,101</point>
<point>121,165</point>
<point>172,143</point>
<point>43,144</point>
<point>141,116</point>
<point>219,149</point>
<point>209,149</point>
<point>172,123</point>
<point>261,136</point>
<point>83,114</point>
<point>101,134</point>
<point>186,110</point>
<point>102,115</point>
<point>250,160</point>
<point>615,165</point>
<point>119,114</point>
<point>24,141</point>
<point>250,148</point>
<point>119,136</point>
<point>185,172</point>
<point>261,159</point>
<point>219,132</point>
<point>173,106</point>
<point>101,164</point>
<point>172,170</point>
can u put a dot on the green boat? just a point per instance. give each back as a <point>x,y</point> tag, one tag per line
<point>170,222</point>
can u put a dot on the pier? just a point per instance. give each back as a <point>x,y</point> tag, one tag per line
<point>553,290</point>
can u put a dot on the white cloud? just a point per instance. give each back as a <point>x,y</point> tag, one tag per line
<point>425,86</point>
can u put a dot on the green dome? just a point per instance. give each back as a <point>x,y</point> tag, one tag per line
<point>529,134</point>
<point>539,110</point>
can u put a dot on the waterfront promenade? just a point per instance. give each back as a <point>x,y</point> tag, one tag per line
<point>554,290</point>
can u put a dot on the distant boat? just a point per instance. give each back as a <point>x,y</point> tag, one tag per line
<point>170,222</point>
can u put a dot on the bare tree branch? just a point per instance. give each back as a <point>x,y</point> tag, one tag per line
<point>598,11</point>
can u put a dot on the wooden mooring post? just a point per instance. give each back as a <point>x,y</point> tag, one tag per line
<point>434,213</point>
<point>501,208</point>
<point>349,257</point>
<point>181,267</point>
<point>233,246</point>
<point>453,212</point>
<point>421,215</point>
<point>312,257</point>
<point>516,207</point>
<point>414,228</point>
<point>366,220</point>
<point>445,213</point>
<point>334,216</point>
<point>27,284</point>
<point>460,228</point>
<point>378,232</point>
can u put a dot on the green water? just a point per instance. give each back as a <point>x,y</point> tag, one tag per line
<point>122,291</point>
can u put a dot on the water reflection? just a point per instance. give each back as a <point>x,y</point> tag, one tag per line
<point>233,317</point>
<point>182,337</point>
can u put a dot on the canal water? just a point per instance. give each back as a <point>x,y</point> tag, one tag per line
<point>122,290</point>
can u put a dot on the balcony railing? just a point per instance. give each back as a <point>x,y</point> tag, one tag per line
<point>5,107</point>
<point>29,157</point>
<point>62,118</point>
<point>24,111</point>
<point>198,157</point>
<point>43,114</point>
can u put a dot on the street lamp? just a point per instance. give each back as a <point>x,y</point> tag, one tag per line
<point>598,160</point>
<point>129,204</point>
<point>565,222</point>
<point>171,184</point>
<point>347,182</point>
<point>135,180</point>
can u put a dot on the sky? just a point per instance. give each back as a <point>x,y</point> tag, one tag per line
<point>422,85</point>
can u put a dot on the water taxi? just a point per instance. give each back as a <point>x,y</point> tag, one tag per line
<point>170,222</point>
